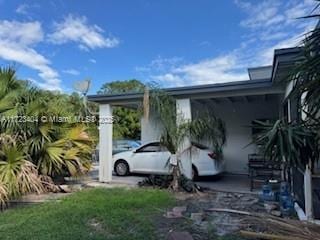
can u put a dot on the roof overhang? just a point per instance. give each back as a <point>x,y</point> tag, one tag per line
<point>230,89</point>
<point>283,63</point>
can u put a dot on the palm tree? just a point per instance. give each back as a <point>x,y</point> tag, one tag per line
<point>32,149</point>
<point>306,75</point>
<point>57,147</point>
<point>288,144</point>
<point>297,143</point>
<point>306,81</point>
<point>208,128</point>
<point>17,173</point>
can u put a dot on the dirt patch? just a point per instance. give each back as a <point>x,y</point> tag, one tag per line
<point>203,224</point>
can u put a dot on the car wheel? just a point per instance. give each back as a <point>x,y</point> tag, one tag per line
<point>121,168</point>
<point>195,175</point>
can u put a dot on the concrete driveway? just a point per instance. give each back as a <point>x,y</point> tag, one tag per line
<point>224,183</point>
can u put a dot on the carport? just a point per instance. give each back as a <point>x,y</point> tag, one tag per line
<point>236,103</point>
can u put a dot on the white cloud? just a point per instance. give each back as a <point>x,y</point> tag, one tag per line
<point>268,26</point>
<point>71,71</point>
<point>160,64</point>
<point>76,29</point>
<point>301,9</point>
<point>273,13</point>
<point>25,9</point>
<point>92,60</point>
<point>266,36</point>
<point>169,79</point>
<point>205,43</point>
<point>275,23</point>
<point>263,14</point>
<point>17,40</point>
<point>266,54</point>
<point>214,70</point>
<point>22,33</point>
<point>22,9</point>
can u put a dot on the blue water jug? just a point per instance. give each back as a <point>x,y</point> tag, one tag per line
<point>267,193</point>
<point>286,205</point>
<point>284,189</point>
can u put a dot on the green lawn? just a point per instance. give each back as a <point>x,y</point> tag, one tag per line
<point>90,214</point>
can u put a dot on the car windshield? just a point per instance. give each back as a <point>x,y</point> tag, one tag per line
<point>134,144</point>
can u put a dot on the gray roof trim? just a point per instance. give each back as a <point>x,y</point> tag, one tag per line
<point>262,67</point>
<point>284,55</point>
<point>255,69</point>
<point>188,91</point>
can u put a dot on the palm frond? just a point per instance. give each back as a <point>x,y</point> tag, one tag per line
<point>3,195</point>
<point>287,143</point>
<point>17,173</point>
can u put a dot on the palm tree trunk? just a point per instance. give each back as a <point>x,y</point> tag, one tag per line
<point>175,161</point>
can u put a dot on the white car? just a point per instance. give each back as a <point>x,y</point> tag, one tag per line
<point>152,158</point>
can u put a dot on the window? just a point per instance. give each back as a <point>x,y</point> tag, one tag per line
<point>152,147</point>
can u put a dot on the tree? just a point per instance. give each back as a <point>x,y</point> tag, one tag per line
<point>298,143</point>
<point>288,144</point>
<point>31,147</point>
<point>306,81</point>
<point>126,86</point>
<point>173,136</point>
<point>127,121</point>
<point>306,75</point>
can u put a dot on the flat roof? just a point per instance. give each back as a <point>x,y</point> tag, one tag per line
<point>197,91</point>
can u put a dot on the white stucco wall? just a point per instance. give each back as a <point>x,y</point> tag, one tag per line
<point>150,129</point>
<point>238,117</point>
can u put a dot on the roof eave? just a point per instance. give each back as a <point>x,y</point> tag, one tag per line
<point>192,91</point>
<point>287,56</point>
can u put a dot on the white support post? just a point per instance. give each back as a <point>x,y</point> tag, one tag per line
<point>184,114</point>
<point>151,129</point>
<point>308,193</point>
<point>105,143</point>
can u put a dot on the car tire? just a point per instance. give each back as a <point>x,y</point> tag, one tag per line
<point>121,168</point>
<point>195,175</point>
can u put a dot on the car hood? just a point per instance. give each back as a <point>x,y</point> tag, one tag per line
<point>122,154</point>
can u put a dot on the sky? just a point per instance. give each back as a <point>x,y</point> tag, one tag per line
<point>55,43</point>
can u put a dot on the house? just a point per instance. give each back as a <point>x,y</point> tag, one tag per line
<point>236,103</point>
<point>263,96</point>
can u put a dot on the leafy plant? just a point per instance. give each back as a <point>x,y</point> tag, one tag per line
<point>3,195</point>
<point>17,173</point>
<point>176,129</point>
<point>306,75</point>
<point>32,149</point>
<point>290,144</point>
<point>298,143</point>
